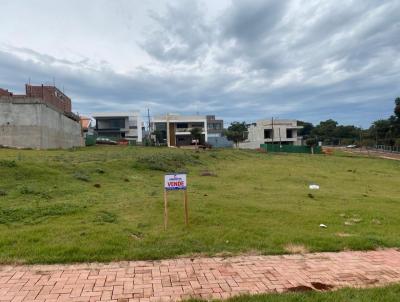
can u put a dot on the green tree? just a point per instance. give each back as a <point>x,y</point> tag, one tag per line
<point>237,132</point>
<point>196,134</point>
<point>161,135</point>
<point>311,142</point>
<point>305,132</point>
<point>397,107</point>
<point>325,131</point>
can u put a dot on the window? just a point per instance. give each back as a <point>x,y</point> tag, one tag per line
<point>115,123</point>
<point>289,133</point>
<point>182,125</point>
<point>267,133</point>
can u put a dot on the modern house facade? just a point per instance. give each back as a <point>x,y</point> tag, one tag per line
<point>119,125</point>
<point>40,119</point>
<point>176,129</point>
<point>272,131</point>
<point>215,128</point>
<point>215,133</point>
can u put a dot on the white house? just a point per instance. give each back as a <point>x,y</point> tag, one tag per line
<point>119,125</point>
<point>176,128</point>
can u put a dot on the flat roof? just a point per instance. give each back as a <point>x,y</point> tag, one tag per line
<point>115,114</point>
<point>179,118</point>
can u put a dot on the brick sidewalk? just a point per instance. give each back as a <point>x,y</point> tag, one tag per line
<point>171,280</point>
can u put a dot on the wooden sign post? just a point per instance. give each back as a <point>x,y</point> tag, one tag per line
<point>174,182</point>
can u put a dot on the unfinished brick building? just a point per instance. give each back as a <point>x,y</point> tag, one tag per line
<point>42,118</point>
<point>51,95</point>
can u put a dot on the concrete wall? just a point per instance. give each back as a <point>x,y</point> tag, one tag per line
<point>28,123</point>
<point>220,142</point>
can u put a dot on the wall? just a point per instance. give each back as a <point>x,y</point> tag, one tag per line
<point>50,95</point>
<point>29,123</point>
<point>220,142</point>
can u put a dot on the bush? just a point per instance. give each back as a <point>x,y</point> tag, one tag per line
<point>36,214</point>
<point>105,217</point>
<point>24,190</point>
<point>8,163</point>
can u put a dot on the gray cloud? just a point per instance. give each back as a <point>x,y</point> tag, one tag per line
<point>310,60</point>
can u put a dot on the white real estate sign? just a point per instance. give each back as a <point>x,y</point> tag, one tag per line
<point>175,182</point>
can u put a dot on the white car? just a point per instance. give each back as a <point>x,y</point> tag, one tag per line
<point>351,146</point>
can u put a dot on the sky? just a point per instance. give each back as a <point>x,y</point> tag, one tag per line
<point>242,60</point>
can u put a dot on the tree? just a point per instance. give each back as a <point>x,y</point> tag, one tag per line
<point>196,134</point>
<point>305,132</point>
<point>397,107</point>
<point>325,130</point>
<point>161,135</point>
<point>237,132</point>
<point>311,142</point>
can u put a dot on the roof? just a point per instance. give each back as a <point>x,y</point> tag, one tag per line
<point>115,114</point>
<point>179,118</point>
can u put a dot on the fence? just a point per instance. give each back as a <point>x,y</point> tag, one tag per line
<point>273,148</point>
<point>384,148</point>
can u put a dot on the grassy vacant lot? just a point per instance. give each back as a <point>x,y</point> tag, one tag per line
<point>386,294</point>
<point>106,203</point>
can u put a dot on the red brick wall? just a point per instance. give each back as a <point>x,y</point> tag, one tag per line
<point>50,95</point>
<point>4,92</point>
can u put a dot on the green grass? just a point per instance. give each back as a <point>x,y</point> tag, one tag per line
<point>385,294</point>
<point>106,203</point>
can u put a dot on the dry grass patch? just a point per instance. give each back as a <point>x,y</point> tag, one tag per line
<point>293,248</point>
<point>344,235</point>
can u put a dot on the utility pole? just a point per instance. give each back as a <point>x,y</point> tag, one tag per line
<point>148,119</point>
<point>272,130</point>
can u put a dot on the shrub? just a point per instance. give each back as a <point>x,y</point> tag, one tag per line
<point>105,217</point>
<point>8,163</point>
<point>26,190</point>
<point>36,214</point>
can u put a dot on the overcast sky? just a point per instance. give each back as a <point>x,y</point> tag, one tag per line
<point>239,59</point>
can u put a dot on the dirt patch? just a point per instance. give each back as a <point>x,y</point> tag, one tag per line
<point>208,173</point>
<point>292,248</point>
<point>322,286</point>
<point>300,288</point>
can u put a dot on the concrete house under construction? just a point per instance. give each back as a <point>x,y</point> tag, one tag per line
<point>272,131</point>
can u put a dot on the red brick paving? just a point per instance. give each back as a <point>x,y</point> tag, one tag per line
<point>218,278</point>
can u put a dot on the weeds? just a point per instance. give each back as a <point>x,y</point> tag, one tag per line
<point>81,176</point>
<point>172,162</point>
<point>8,163</point>
<point>105,217</point>
<point>32,215</point>
<point>24,190</point>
